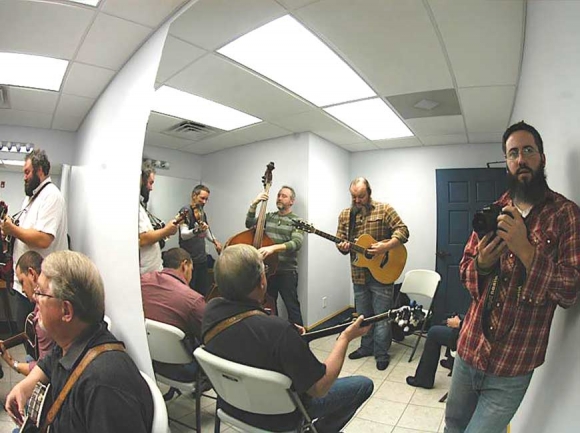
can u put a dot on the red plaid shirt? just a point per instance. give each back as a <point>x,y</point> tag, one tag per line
<point>381,222</point>
<point>526,303</point>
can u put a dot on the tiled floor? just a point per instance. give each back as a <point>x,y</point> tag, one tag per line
<point>394,406</point>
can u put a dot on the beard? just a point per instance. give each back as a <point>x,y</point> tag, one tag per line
<point>145,193</point>
<point>528,191</point>
<point>31,185</point>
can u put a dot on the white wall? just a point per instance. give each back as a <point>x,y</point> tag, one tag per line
<point>183,164</point>
<point>328,270</point>
<point>548,98</point>
<point>405,178</point>
<point>60,146</point>
<point>105,190</point>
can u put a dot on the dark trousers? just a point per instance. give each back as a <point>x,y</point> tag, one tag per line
<point>438,335</point>
<point>200,279</point>
<point>286,283</point>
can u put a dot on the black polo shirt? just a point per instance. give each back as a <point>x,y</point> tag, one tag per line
<point>110,396</point>
<point>267,342</point>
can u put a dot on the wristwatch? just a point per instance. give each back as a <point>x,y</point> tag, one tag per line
<point>15,365</point>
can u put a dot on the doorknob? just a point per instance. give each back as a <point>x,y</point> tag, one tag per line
<point>442,254</point>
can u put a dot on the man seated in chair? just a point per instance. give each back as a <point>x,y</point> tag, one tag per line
<point>109,395</point>
<point>167,298</point>
<point>272,343</point>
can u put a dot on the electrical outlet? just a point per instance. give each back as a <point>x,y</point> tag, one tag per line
<point>324,302</point>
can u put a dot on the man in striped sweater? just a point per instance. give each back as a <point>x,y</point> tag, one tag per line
<point>287,241</point>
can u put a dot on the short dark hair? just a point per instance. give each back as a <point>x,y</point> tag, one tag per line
<point>30,259</point>
<point>173,258</point>
<point>39,159</point>
<point>146,171</point>
<point>199,188</point>
<point>523,126</point>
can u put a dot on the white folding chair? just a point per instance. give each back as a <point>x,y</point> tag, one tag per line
<point>160,420</point>
<point>421,285</point>
<point>252,390</point>
<point>166,345</point>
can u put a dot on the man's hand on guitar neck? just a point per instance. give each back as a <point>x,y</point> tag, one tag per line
<point>19,395</point>
<point>382,247</point>
<point>343,247</point>
<point>7,226</point>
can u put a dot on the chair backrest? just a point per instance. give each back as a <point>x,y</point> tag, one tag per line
<point>160,419</point>
<point>421,282</point>
<point>247,388</point>
<point>166,343</point>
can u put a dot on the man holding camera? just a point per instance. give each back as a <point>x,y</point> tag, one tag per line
<point>517,274</point>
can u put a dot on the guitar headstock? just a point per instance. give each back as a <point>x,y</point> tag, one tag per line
<point>3,209</point>
<point>267,178</point>
<point>303,225</point>
<point>181,217</point>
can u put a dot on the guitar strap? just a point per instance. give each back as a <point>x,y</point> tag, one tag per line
<point>225,324</point>
<point>351,224</point>
<point>17,215</point>
<point>87,359</point>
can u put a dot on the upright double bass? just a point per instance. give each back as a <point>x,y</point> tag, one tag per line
<point>256,236</point>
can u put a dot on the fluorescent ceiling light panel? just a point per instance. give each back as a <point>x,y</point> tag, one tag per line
<point>86,2</point>
<point>285,52</point>
<point>372,118</point>
<point>184,105</point>
<point>31,71</point>
<point>11,162</point>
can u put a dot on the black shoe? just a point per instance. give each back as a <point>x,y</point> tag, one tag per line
<point>382,365</point>
<point>446,363</point>
<point>411,380</point>
<point>358,354</point>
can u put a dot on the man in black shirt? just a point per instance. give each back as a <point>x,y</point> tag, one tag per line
<point>275,344</point>
<point>110,395</point>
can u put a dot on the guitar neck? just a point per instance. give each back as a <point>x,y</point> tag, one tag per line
<point>337,240</point>
<point>15,340</point>
<point>314,335</point>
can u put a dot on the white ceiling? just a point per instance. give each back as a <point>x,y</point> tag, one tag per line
<point>398,47</point>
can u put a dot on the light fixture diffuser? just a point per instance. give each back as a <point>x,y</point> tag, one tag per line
<point>86,2</point>
<point>25,70</point>
<point>372,118</point>
<point>184,105</point>
<point>11,162</point>
<point>287,53</point>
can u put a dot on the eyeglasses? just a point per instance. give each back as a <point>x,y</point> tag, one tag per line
<point>527,152</point>
<point>38,293</point>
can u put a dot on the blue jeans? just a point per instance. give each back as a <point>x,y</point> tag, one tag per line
<point>286,283</point>
<point>482,403</point>
<point>336,408</point>
<point>370,299</point>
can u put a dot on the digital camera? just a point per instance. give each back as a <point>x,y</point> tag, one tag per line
<point>485,220</point>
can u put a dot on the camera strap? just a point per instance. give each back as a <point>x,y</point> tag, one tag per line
<point>490,300</point>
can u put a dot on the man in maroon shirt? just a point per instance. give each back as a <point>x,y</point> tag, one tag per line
<point>517,275</point>
<point>167,298</point>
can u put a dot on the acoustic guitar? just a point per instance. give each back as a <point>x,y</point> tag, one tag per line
<point>7,241</point>
<point>28,336</point>
<point>385,268</point>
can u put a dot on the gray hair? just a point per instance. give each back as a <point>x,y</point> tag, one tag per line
<point>238,271</point>
<point>74,278</point>
<point>38,159</point>
<point>146,170</point>
<point>293,193</point>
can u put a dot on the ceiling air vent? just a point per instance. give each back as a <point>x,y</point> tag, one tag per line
<point>4,102</point>
<point>191,130</point>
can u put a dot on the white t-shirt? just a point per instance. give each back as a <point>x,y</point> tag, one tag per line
<point>149,256</point>
<point>47,214</point>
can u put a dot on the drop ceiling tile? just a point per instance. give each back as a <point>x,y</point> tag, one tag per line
<point>25,118</point>
<point>87,80</point>
<point>210,24</point>
<point>396,143</point>
<point>295,4</point>
<point>64,122</point>
<point>222,81</point>
<point>320,123</point>
<point>111,41</point>
<point>484,39</point>
<point>485,137</point>
<point>359,147</point>
<point>213,144</point>
<point>176,56</point>
<point>162,140</point>
<point>487,109</point>
<point>444,125</point>
<point>446,104</point>
<point>43,28</point>
<point>24,99</point>
<point>150,13</point>
<point>437,140</point>
<point>260,131</point>
<point>392,43</point>
<point>74,106</point>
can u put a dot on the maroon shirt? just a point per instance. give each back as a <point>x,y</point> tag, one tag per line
<point>167,298</point>
<point>526,303</point>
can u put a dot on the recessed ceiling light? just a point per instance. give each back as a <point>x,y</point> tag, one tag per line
<point>372,118</point>
<point>184,105</point>
<point>285,52</point>
<point>86,2</point>
<point>25,70</point>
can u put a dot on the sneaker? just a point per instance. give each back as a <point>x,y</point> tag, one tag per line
<point>358,354</point>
